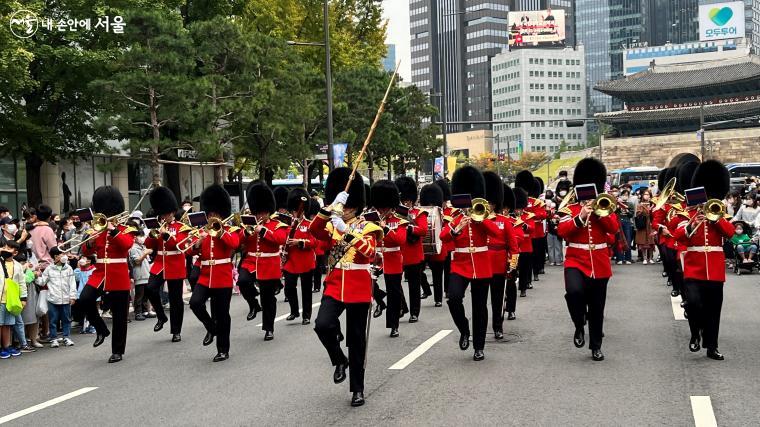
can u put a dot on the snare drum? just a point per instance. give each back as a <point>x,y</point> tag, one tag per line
<point>431,243</point>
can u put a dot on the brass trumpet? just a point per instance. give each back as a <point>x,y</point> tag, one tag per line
<point>604,205</point>
<point>99,224</point>
<point>480,209</point>
<point>713,210</point>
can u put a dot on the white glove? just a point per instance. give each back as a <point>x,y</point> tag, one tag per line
<point>341,198</point>
<point>337,221</point>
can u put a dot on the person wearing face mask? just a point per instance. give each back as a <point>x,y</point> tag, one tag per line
<point>644,238</point>
<point>748,210</point>
<point>745,247</point>
<point>625,215</point>
<point>75,234</point>
<point>62,294</point>
<point>9,230</point>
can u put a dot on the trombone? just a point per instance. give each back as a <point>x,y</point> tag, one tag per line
<point>480,209</point>
<point>214,227</point>
<point>99,224</point>
<point>713,210</point>
<point>604,205</point>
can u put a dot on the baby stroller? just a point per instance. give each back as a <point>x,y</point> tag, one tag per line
<point>741,249</point>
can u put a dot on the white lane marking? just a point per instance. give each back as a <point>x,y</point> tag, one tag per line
<point>677,309</point>
<point>284,316</point>
<point>420,350</point>
<point>701,407</point>
<point>44,405</point>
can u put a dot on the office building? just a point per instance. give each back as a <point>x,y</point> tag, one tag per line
<point>643,58</point>
<point>751,7</point>
<point>389,62</point>
<point>542,87</point>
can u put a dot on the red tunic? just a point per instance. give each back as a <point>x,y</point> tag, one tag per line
<point>418,226</point>
<point>169,259</point>
<point>470,258</point>
<point>588,245</point>
<point>527,225</point>
<point>500,247</point>
<point>703,257</point>
<point>390,245</point>
<point>350,281</point>
<point>215,256</point>
<point>111,266</point>
<point>300,258</point>
<point>262,250</point>
<point>660,223</point>
<point>538,208</point>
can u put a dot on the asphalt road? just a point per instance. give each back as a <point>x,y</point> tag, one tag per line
<point>534,377</point>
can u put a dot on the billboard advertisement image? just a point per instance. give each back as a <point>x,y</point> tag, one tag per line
<point>721,21</point>
<point>535,28</point>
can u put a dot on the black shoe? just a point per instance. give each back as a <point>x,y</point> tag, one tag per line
<point>340,373</point>
<point>159,325</point>
<point>378,311</point>
<point>100,338</point>
<point>285,300</point>
<point>425,295</point>
<point>542,271</point>
<point>464,341</point>
<point>252,314</point>
<point>413,319</point>
<point>511,315</point>
<point>404,311</point>
<point>315,291</point>
<point>114,358</point>
<point>664,274</point>
<point>714,354</point>
<point>499,335</point>
<point>438,304</point>
<point>151,315</point>
<point>220,357</point>
<point>478,356</point>
<point>268,336</point>
<point>357,399</point>
<point>523,294</point>
<point>535,278</point>
<point>139,317</point>
<point>694,344</point>
<point>292,316</point>
<point>579,338</point>
<point>674,293</point>
<point>530,285</point>
<point>597,355</point>
<point>208,339</point>
<point>277,292</point>
<point>305,321</point>
<point>176,338</point>
<point>394,333</point>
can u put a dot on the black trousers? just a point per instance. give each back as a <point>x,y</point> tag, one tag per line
<point>119,301</point>
<point>672,266</point>
<point>413,275</point>
<point>317,272</point>
<point>446,274</point>
<point>424,284</point>
<point>437,269</point>
<point>705,300</point>
<point>585,300</point>
<point>378,294</point>
<point>525,269</point>
<point>268,288</point>
<point>457,287</point>
<point>291,292</point>
<point>539,254</point>
<point>247,285</point>
<point>498,282</point>
<point>192,277</point>
<point>176,305</point>
<point>393,289</point>
<point>511,293</point>
<point>327,327</point>
<point>218,323</point>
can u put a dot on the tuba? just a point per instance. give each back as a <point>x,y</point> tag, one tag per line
<point>480,209</point>
<point>668,195</point>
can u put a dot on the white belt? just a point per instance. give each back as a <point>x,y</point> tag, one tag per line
<point>587,246</point>
<point>263,254</point>
<point>167,253</point>
<point>216,261</point>
<point>471,249</point>
<point>351,266</point>
<point>704,249</point>
<point>526,235</point>
<point>111,261</point>
<point>391,249</point>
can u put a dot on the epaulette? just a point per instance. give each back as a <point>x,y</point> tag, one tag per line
<point>233,229</point>
<point>280,224</point>
<point>370,228</point>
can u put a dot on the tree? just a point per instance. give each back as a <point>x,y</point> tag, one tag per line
<point>148,88</point>
<point>530,161</point>
<point>410,110</point>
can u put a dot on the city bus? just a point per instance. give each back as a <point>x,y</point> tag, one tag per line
<point>639,176</point>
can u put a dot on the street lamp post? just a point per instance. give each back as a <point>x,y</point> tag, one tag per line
<point>328,77</point>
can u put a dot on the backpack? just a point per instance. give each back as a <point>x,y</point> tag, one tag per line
<point>640,221</point>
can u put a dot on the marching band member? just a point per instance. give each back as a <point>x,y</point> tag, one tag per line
<point>658,224</point>
<point>704,260</point>
<point>348,286</point>
<point>412,249</point>
<point>261,263</point>
<point>587,261</point>
<point>444,257</point>
<point>525,259</point>
<point>684,174</point>
<point>431,195</point>
<point>500,248</point>
<point>299,256</point>
<point>319,249</point>
<point>385,198</point>
<point>111,276</point>
<point>281,200</point>
<point>541,213</point>
<point>215,281</point>
<point>517,232</point>
<point>378,295</point>
<point>470,262</point>
<point>169,263</point>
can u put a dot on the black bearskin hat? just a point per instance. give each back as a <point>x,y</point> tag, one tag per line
<point>407,188</point>
<point>313,208</point>
<point>107,200</point>
<point>281,197</point>
<point>684,173</point>
<point>367,192</point>
<point>216,199</point>
<point>670,173</point>
<point>524,179</point>
<point>468,180</point>
<point>590,171</point>
<point>260,197</point>
<point>712,175</point>
<point>509,198</point>
<point>539,187</point>
<point>494,189</point>
<point>521,198</point>
<point>444,185</point>
<point>661,178</point>
<point>163,201</point>
<point>336,182</point>
<point>562,185</point>
<point>384,194</point>
<point>431,195</point>
<point>294,199</point>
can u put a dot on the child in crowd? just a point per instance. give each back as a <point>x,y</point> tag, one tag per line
<point>62,293</point>
<point>140,273</point>
<point>13,270</point>
<point>745,248</point>
<point>82,274</point>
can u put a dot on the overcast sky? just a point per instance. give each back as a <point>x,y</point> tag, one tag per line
<point>397,14</point>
